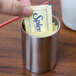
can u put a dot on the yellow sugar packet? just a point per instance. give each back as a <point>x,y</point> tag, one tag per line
<point>40,21</point>
<point>53,24</point>
<point>55,27</point>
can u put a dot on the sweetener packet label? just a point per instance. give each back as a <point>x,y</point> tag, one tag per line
<point>40,21</point>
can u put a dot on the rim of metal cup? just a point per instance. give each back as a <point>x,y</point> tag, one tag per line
<point>44,36</point>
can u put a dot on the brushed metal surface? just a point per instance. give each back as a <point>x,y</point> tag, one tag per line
<point>39,53</point>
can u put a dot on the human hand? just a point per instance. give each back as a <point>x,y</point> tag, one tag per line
<point>15,7</point>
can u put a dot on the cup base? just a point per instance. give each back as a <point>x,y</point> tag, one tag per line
<point>36,72</point>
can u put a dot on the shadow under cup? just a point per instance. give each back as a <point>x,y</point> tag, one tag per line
<point>39,53</point>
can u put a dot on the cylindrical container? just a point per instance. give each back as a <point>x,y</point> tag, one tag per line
<point>39,53</point>
<point>69,13</point>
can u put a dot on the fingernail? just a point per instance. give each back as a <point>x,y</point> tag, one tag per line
<point>27,11</point>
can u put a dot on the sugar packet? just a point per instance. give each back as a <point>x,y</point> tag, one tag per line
<point>40,21</point>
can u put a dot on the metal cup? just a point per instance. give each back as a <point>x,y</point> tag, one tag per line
<point>39,53</point>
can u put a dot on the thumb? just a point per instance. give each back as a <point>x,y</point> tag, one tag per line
<point>15,8</point>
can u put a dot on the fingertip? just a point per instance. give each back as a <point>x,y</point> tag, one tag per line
<point>27,11</point>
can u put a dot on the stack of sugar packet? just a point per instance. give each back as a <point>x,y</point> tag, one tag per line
<point>40,23</point>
